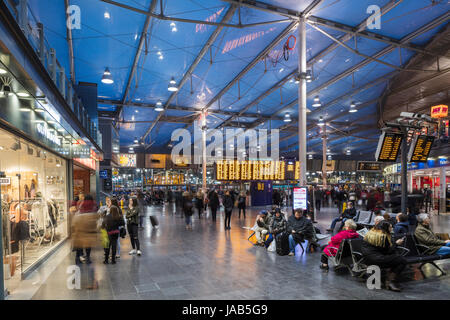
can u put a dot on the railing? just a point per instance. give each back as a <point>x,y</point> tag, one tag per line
<point>34,32</point>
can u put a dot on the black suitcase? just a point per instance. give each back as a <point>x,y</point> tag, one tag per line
<point>154,221</point>
<point>282,242</point>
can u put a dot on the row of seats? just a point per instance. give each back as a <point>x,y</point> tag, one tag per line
<point>349,255</point>
<point>367,218</point>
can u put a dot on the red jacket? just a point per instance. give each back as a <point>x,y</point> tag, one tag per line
<point>337,239</point>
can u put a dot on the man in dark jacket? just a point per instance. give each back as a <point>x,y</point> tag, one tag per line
<point>427,237</point>
<point>349,213</point>
<point>318,197</point>
<point>299,228</point>
<point>402,226</point>
<point>213,202</point>
<point>228,204</point>
<point>341,196</point>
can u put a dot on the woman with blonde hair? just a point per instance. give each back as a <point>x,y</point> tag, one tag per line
<point>379,250</point>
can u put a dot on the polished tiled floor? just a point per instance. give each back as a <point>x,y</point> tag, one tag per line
<point>211,263</point>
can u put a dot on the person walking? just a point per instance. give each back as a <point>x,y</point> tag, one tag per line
<point>241,203</point>
<point>141,205</point>
<point>111,223</point>
<point>199,203</point>
<point>213,203</point>
<point>132,215</point>
<point>188,211</point>
<point>228,205</point>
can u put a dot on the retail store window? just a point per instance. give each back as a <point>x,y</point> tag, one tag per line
<point>34,204</point>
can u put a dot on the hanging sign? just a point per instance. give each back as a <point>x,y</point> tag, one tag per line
<point>368,166</point>
<point>388,147</point>
<point>440,111</point>
<point>420,148</point>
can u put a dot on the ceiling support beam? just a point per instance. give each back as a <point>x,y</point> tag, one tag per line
<point>70,45</point>
<point>228,16</point>
<point>137,56</point>
<point>210,23</point>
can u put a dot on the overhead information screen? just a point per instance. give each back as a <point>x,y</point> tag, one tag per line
<point>420,148</point>
<point>233,170</point>
<point>388,147</point>
<point>368,166</point>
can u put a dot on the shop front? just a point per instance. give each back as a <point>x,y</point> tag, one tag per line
<point>37,146</point>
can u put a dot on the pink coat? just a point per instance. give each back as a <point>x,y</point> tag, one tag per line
<point>337,239</point>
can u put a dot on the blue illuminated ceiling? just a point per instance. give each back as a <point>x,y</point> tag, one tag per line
<point>110,35</point>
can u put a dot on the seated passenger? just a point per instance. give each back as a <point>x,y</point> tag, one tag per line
<point>402,226</point>
<point>377,220</point>
<point>299,228</point>
<point>277,227</point>
<point>378,208</point>
<point>427,237</point>
<point>349,232</point>
<point>349,213</point>
<point>262,227</point>
<point>378,249</point>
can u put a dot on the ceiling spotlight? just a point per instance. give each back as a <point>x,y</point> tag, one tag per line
<point>107,78</point>
<point>3,71</point>
<point>316,103</point>
<point>172,85</point>
<point>321,123</point>
<point>329,158</point>
<point>107,15</point>
<point>172,24</point>
<point>159,106</point>
<point>174,29</point>
<point>310,156</point>
<point>348,152</point>
<point>131,150</point>
<point>287,117</point>
<point>161,57</point>
<point>353,108</point>
<point>23,94</point>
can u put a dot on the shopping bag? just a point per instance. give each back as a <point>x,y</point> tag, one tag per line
<point>344,206</point>
<point>105,239</point>
<point>252,238</point>
<point>273,246</point>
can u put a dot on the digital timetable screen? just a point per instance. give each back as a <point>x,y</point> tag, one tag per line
<point>234,170</point>
<point>420,148</point>
<point>388,147</point>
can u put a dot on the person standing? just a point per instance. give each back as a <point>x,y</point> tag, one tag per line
<point>199,203</point>
<point>241,203</point>
<point>228,205</point>
<point>318,197</point>
<point>115,202</point>
<point>188,209</point>
<point>213,201</point>
<point>112,222</point>
<point>141,205</point>
<point>132,215</point>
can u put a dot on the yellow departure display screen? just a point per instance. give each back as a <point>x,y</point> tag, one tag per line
<point>420,148</point>
<point>232,170</point>
<point>388,147</point>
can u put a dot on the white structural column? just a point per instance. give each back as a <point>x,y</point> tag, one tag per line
<point>442,190</point>
<point>203,123</point>
<point>324,156</point>
<point>302,100</point>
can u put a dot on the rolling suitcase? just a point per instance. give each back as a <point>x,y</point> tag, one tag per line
<point>154,221</point>
<point>282,244</point>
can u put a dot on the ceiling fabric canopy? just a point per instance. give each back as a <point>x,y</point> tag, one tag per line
<point>232,64</point>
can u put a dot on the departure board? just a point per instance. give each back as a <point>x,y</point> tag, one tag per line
<point>388,147</point>
<point>368,166</point>
<point>232,170</point>
<point>420,148</point>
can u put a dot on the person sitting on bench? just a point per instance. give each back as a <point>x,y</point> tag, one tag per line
<point>349,213</point>
<point>427,237</point>
<point>277,227</point>
<point>299,228</point>
<point>262,221</point>
<point>378,249</point>
<point>349,232</point>
<point>402,226</point>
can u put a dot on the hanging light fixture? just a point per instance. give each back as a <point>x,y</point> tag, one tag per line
<point>174,27</point>
<point>172,85</point>
<point>316,103</point>
<point>287,117</point>
<point>353,108</point>
<point>6,88</point>
<point>131,150</point>
<point>107,78</point>
<point>348,152</point>
<point>159,106</point>
<point>329,157</point>
<point>3,71</point>
<point>321,123</point>
<point>310,156</point>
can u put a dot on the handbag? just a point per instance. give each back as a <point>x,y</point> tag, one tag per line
<point>123,232</point>
<point>273,246</point>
